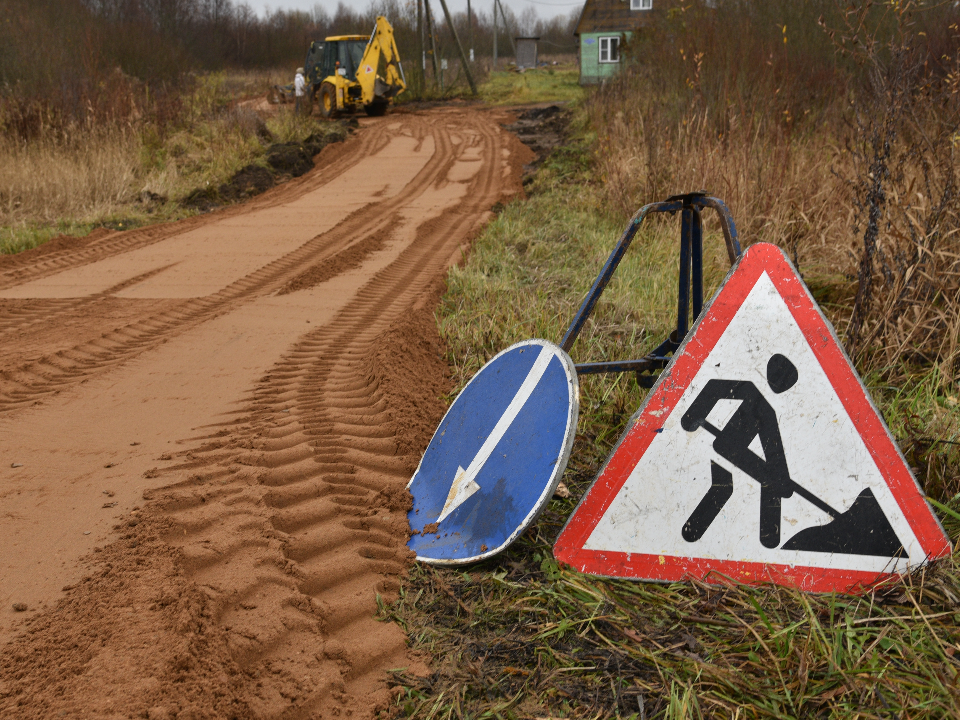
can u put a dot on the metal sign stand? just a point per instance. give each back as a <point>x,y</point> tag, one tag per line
<point>690,288</point>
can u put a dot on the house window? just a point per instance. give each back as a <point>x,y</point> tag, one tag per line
<point>641,4</point>
<point>610,49</point>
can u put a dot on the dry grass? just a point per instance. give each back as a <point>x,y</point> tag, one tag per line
<point>858,184</point>
<point>244,84</point>
<point>70,176</point>
<point>87,175</point>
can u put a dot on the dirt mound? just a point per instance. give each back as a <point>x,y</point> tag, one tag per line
<point>542,130</point>
<point>291,158</point>
<point>283,161</point>
<point>104,634</point>
<point>247,181</point>
<point>409,365</point>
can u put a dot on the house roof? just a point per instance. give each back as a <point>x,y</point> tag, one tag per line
<point>609,15</point>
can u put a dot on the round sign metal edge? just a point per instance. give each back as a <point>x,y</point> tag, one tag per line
<point>573,387</point>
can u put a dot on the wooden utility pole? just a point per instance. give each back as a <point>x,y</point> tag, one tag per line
<point>494,34</point>
<point>423,55</point>
<point>456,39</point>
<point>470,28</point>
<point>507,29</point>
<point>437,80</point>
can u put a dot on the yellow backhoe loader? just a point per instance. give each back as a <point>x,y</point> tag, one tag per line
<point>344,72</point>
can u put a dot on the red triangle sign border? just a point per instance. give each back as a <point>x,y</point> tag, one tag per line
<point>758,259</point>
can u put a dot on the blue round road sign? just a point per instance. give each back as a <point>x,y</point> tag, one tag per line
<point>497,456</point>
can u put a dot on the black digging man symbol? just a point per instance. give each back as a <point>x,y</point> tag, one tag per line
<point>861,530</point>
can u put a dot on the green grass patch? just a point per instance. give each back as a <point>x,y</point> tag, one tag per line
<point>926,422</point>
<point>22,237</point>
<point>558,84</point>
<point>518,637</point>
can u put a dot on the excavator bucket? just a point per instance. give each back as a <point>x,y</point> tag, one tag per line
<point>385,90</point>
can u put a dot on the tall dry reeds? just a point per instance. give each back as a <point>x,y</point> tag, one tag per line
<point>156,146</point>
<point>49,179</point>
<point>903,182</point>
<point>829,132</point>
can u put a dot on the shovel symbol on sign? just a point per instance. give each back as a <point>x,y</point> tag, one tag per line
<point>861,530</point>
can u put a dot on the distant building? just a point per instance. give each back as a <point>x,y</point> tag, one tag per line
<point>526,52</point>
<point>603,26</point>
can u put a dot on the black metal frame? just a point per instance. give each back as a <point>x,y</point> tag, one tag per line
<point>690,288</point>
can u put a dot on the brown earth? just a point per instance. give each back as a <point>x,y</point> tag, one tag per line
<point>206,429</point>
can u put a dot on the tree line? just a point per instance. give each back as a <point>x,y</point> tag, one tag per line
<point>67,48</point>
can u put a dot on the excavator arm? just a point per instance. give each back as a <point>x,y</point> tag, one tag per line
<point>377,88</point>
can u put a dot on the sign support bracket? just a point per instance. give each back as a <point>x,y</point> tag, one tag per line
<point>690,290</point>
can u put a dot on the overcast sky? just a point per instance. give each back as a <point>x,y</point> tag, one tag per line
<point>544,8</point>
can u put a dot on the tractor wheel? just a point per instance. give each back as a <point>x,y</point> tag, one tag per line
<point>328,100</point>
<point>376,108</point>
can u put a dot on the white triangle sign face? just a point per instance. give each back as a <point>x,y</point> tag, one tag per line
<point>757,457</point>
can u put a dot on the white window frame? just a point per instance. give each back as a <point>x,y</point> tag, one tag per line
<point>641,4</point>
<point>604,46</point>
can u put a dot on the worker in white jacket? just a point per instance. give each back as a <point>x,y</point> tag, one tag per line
<point>299,87</point>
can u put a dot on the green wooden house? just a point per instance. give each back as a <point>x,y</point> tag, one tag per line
<point>603,26</point>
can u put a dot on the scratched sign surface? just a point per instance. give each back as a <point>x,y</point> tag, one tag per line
<point>497,456</point>
<point>758,456</point>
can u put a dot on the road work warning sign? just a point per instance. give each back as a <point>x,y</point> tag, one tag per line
<point>497,457</point>
<point>758,456</point>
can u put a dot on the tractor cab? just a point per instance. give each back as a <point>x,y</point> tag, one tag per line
<point>342,55</point>
<point>313,64</point>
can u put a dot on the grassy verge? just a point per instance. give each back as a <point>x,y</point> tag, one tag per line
<point>17,238</point>
<point>124,175</point>
<point>519,637</point>
<point>549,84</point>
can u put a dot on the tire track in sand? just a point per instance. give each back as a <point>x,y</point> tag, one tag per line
<point>28,382</point>
<point>333,161</point>
<point>247,586</point>
<point>323,530</point>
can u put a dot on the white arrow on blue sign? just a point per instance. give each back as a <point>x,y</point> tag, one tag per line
<point>497,456</point>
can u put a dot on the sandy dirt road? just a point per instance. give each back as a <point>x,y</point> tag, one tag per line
<point>206,429</point>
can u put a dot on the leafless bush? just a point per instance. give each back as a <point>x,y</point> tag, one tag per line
<point>904,188</point>
<point>857,181</point>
